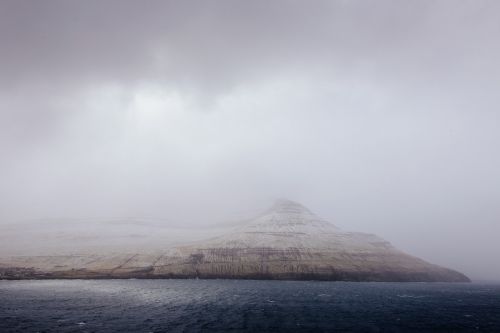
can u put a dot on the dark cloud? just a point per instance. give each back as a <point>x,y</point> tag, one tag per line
<point>219,43</point>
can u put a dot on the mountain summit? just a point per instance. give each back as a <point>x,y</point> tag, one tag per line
<point>288,241</point>
<point>283,206</point>
<point>288,217</point>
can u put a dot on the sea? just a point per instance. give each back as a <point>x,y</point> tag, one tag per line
<point>246,306</point>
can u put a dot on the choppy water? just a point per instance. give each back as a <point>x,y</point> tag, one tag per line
<point>246,306</point>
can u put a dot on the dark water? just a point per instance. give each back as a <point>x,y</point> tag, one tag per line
<point>246,306</point>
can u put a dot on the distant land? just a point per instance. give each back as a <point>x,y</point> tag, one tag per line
<point>287,242</point>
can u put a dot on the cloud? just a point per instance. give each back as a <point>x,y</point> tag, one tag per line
<point>379,115</point>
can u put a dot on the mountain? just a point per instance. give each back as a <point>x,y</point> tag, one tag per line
<point>286,242</point>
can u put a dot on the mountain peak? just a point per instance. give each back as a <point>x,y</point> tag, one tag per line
<point>289,216</point>
<point>288,206</point>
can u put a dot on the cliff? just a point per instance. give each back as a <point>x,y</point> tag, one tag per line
<point>286,242</point>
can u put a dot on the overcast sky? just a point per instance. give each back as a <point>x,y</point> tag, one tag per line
<point>380,116</point>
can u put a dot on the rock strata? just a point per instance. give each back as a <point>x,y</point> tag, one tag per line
<point>288,242</point>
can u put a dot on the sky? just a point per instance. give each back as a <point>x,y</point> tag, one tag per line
<point>380,116</point>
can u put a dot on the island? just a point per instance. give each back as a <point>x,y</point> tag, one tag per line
<point>287,242</point>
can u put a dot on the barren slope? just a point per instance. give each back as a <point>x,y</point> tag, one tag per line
<point>286,242</point>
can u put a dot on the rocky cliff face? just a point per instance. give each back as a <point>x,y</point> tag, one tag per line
<point>286,242</point>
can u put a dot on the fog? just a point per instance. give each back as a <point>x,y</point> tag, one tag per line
<point>380,116</point>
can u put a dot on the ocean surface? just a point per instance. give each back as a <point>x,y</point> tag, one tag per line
<point>246,306</point>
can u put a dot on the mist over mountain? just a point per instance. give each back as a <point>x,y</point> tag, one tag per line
<point>125,125</point>
<point>287,242</point>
